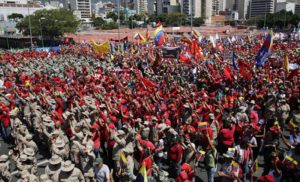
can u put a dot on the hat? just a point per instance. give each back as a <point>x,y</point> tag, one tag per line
<point>211,116</point>
<point>120,132</point>
<point>67,166</point>
<point>186,105</point>
<point>274,129</point>
<point>252,102</point>
<point>98,160</point>
<point>66,114</point>
<point>3,158</point>
<point>47,119</point>
<point>161,127</point>
<point>59,143</point>
<point>29,152</point>
<point>55,159</point>
<point>86,113</point>
<point>111,126</point>
<point>55,132</point>
<point>128,149</point>
<point>28,137</point>
<point>228,154</point>
<point>23,157</point>
<point>146,123</point>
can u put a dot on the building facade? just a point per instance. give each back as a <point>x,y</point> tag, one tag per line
<point>141,6</point>
<point>82,9</point>
<point>262,7</point>
<point>243,9</point>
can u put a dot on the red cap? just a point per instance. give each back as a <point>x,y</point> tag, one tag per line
<point>111,126</point>
<point>266,178</point>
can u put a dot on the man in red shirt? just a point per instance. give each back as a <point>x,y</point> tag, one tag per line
<point>175,157</point>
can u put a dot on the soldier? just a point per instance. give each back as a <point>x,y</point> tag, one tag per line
<point>27,177</point>
<point>119,138</point>
<point>127,170</point>
<point>44,178</point>
<point>53,169</point>
<point>29,143</point>
<point>87,165</point>
<point>283,110</point>
<point>27,161</point>
<point>5,174</point>
<point>70,173</point>
<point>58,148</point>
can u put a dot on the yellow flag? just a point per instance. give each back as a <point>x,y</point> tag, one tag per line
<point>123,158</point>
<point>101,49</point>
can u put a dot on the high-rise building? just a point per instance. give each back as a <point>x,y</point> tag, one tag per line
<point>261,7</point>
<point>285,5</point>
<point>167,6</point>
<point>206,10</point>
<point>191,7</point>
<point>82,8</point>
<point>215,7</point>
<point>141,6</point>
<point>222,5</point>
<point>243,8</point>
<point>230,4</point>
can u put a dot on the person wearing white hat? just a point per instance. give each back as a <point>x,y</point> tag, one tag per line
<point>53,168</point>
<point>29,143</point>
<point>58,148</point>
<point>127,170</point>
<point>282,110</point>
<point>119,138</point>
<point>70,173</point>
<point>87,164</point>
<point>76,141</point>
<point>5,173</point>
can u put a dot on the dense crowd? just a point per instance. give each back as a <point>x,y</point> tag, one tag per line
<point>104,118</point>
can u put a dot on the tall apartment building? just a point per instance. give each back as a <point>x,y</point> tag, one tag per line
<point>243,8</point>
<point>215,7</point>
<point>261,7</point>
<point>141,6</point>
<point>199,8</point>
<point>167,6</point>
<point>82,8</point>
<point>206,10</point>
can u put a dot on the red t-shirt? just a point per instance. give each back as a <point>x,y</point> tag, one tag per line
<point>227,136</point>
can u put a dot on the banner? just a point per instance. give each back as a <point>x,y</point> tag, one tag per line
<point>171,52</point>
<point>101,48</point>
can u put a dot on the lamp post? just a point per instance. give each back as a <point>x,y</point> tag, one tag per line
<point>192,15</point>
<point>30,32</point>
<point>40,21</point>
<point>119,20</point>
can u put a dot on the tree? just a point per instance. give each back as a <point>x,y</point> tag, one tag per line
<point>197,22</point>
<point>114,16</point>
<point>175,19</point>
<point>98,22</point>
<point>15,16</point>
<point>54,23</point>
<point>109,26</point>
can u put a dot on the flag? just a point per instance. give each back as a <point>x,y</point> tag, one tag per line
<point>147,35</point>
<point>185,38</point>
<point>195,34</point>
<point>234,167</point>
<point>211,39</point>
<point>202,125</point>
<point>255,166</point>
<point>185,57</point>
<point>171,52</point>
<point>159,36</point>
<point>139,37</point>
<point>245,70</point>
<point>142,175</point>
<point>292,125</point>
<point>148,83</point>
<point>101,49</point>
<point>234,63</point>
<point>290,162</point>
<point>264,51</point>
<point>217,36</point>
<point>227,73</point>
<point>286,63</point>
<point>200,155</point>
<point>123,159</point>
<point>292,74</point>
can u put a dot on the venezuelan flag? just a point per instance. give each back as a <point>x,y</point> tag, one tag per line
<point>234,167</point>
<point>142,175</point>
<point>139,37</point>
<point>263,53</point>
<point>159,36</point>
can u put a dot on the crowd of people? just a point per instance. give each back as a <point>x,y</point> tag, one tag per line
<point>104,118</point>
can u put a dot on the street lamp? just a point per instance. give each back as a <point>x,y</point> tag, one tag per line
<point>40,21</point>
<point>31,42</point>
<point>119,20</point>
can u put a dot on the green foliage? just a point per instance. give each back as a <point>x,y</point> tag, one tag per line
<point>277,20</point>
<point>54,23</point>
<point>109,26</point>
<point>98,22</point>
<point>114,16</point>
<point>15,16</point>
<point>197,22</point>
<point>175,19</point>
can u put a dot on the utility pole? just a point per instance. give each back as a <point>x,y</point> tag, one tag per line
<point>30,32</point>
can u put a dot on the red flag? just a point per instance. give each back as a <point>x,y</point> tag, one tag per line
<point>245,69</point>
<point>227,73</point>
<point>292,74</point>
<point>185,58</point>
<point>149,83</point>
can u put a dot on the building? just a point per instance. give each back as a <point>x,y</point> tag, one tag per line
<point>151,7</point>
<point>287,6</point>
<point>167,6</point>
<point>262,7</point>
<point>230,5</point>
<point>215,7</point>
<point>243,9</point>
<point>141,6</point>
<point>102,9</point>
<point>230,15</point>
<point>206,10</point>
<point>82,6</point>
<point>20,6</point>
